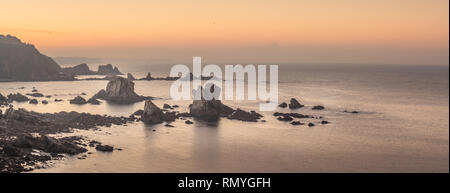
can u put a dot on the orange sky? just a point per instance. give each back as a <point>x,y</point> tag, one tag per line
<point>67,27</point>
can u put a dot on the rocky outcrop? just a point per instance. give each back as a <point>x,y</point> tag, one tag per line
<point>245,116</point>
<point>23,62</point>
<point>80,69</point>
<point>209,110</point>
<point>294,104</point>
<point>3,100</point>
<point>17,97</point>
<point>36,94</point>
<point>318,107</point>
<point>33,101</point>
<point>283,105</point>
<point>78,101</point>
<point>153,114</point>
<point>120,90</point>
<point>130,77</point>
<point>104,148</point>
<point>47,144</point>
<point>108,69</point>
<point>93,101</point>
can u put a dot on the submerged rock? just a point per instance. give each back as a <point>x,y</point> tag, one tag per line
<point>139,112</point>
<point>78,100</point>
<point>283,105</point>
<point>166,106</point>
<point>44,102</point>
<point>33,101</point>
<point>311,125</point>
<point>318,107</point>
<point>285,118</point>
<point>189,122</point>
<point>296,123</point>
<point>294,104</point>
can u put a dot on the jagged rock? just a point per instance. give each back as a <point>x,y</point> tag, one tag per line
<point>80,69</point>
<point>23,62</point>
<point>44,102</point>
<point>294,104</point>
<point>17,97</point>
<point>209,110</point>
<point>245,116</point>
<point>318,107</point>
<point>35,94</point>
<point>100,95</point>
<point>3,100</point>
<point>93,101</point>
<point>33,101</point>
<point>104,148</point>
<point>121,90</point>
<point>166,106</point>
<point>139,112</point>
<point>283,105</point>
<point>78,100</point>
<point>130,77</point>
<point>108,69</point>
<point>47,144</point>
<point>152,114</point>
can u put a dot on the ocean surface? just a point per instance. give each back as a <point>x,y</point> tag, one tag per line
<point>403,124</point>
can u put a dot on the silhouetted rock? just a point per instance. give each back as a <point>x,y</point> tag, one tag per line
<point>324,122</point>
<point>311,125</point>
<point>152,114</point>
<point>294,104</point>
<point>33,101</point>
<point>80,69</point>
<point>283,105</point>
<point>104,148</point>
<point>139,112</point>
<point>23,62</point>
<point>353,112</point>
<point>121,90</point>
<point>296,123</point>
<point>35,94</point>
<point>108,69</point>
<point>285,118</point>
<point>245,116</point>
<point>3,100</point>
<point>318,107</point>
<point>93,101</point>
<point>130,77</point>
<point>78,100</point>
<point>17,97</point>
<point>209,110</point>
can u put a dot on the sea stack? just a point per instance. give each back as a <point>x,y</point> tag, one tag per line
<point>119,90</point>
<point>209,110</point>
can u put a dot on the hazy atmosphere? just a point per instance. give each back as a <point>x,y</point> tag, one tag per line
<point>308,31</point>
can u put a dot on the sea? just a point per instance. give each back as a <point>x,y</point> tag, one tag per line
<point>402,124</point>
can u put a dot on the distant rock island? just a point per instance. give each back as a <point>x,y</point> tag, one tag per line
<point>23,62</point>
<point>83,69</point>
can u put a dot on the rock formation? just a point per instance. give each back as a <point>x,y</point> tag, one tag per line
<point>17,97</point>
<point>108,69</point>
<point>294,104</point>
<point>23,62</point>
<point>153,114</point>
<point>209,110</point>
<point>78,100</point>
<point>3,100</point>
<point>81,69</point>
<point>120,90</point>
<point>130,77</point>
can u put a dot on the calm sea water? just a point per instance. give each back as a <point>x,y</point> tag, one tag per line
<point>403,125</point>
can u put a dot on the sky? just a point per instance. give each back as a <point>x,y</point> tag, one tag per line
<point>303,31</point>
